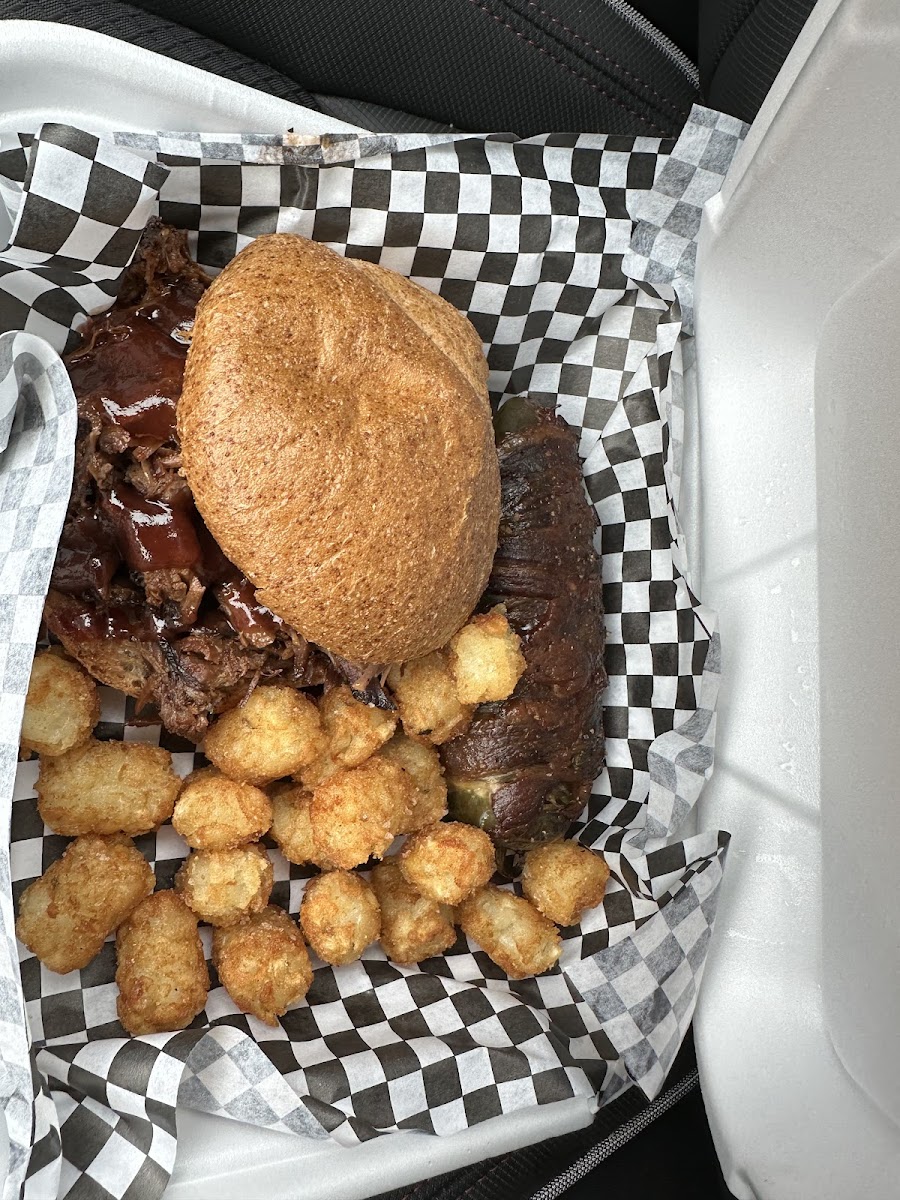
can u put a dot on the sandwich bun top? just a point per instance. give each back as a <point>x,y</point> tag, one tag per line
<point>336,434</point>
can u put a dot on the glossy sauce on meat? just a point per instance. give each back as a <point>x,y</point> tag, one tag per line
<point>88,622</point>
<point>86,559</point>
<point>151,535</point>
<point>130,375</point>
<point>247,616</point>
<point>127,379</point>
<point>135,560</point>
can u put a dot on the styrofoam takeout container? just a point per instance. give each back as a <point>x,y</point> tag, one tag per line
<point>797,316</point>
<point>795,1031</point>
<point>60,73</point>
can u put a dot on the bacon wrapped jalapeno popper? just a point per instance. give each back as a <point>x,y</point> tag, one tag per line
<point>523,768</point>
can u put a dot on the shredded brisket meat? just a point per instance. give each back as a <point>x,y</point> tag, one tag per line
<point>135,560</point>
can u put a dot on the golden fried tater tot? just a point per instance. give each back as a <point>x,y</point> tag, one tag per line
<point>223,887</point>
<point>485,658</point>
<point>423,765</point>
<point>519,939</point>
<point>292,828</point>
<point>107,787</point>
<point>426,696</point>
<point>61,708</point>
<point>67,914</point>
<point>276,732</point>
<point>354,730</point>
<point>263,964</point>
<point>448,861</point>
<point>562,879</point>
<point>161,975</point>
<point>213,812</point>
<point>357,812</point>
<point>413,927</point>
<point>339,916</point>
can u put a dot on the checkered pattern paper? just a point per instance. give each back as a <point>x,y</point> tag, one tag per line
<point>667,219</point>
<point>528,238</point>
<point>79,207</point>
<point>37,432</point>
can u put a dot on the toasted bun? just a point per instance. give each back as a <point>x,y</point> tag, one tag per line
<point>336,434</point>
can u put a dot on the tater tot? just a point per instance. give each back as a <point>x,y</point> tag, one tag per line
<point>263,964</point>
<point>485,658</point>
<point>426,696</point>
<point>356,814</point>
<point>354,731</point>
<point>225,886</point>
<point>213,812</point>
<point>162,976</point>
<point>276,732</point>
<point>61,708</point>
<point>511,931</point>
<point>423,765</point>
<point>562,879</point>
<point>107,787</point>
<point>292,828</point>
<point>339,916</point>
<point>448,861</point>
<point>67,914</point>
<point>413,927</point>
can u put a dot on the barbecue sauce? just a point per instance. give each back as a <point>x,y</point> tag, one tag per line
<point>130,375</point>
<point>127,379</point>
<point>247,616</point>
<point>151,535</point>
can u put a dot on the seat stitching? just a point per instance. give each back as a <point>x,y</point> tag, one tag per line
<point>731,37</point>
<point>560,63</point>
<point>606,57</point>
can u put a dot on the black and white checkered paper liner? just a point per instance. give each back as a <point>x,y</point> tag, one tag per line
<point>667,218</point>
<point>528,238</point>
<point>37,433</point>
<point>86,202</point>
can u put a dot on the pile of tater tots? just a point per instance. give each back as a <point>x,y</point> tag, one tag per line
<point>333,782</point>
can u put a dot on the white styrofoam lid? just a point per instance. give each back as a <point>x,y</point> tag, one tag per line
<point>63,73</point>
<point>795,1035</point>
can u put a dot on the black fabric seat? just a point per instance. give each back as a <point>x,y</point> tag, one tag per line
<point>522,66</point>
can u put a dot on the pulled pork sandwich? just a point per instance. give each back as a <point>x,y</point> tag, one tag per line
<point>286,475</point>
<point>287,479</point>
